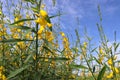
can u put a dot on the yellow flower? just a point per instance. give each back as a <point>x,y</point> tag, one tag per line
<point>41,21</point>
<point>100,50</point>
<point>13,30</point>
<point>43,13</point>
<point>3,77</point>
<point>0,26</point>
<point>28,36</point>
<point>72,76</point>
<point>1,68</point>
<point>0,38</point>
<point>49,36</point>
<point>110,75</point>
<point>46,60</point>
<point>22,45</point>
<point>84,48</point>
<point>21,24</point>
<point>0,12</point>
<point>49,24</point>
<point>110,61</point>
<point>41,29</point>
<point>116,70</point>
<point>19,30</point>
<point>85,44</point>
<point>62,34</point>
<point>16,36</point>
<point>52,64</point>
<point>65,40</point>
<point>18,18</point>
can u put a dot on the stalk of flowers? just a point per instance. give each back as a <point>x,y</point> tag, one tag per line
<point>101,55</point>
<point>2,76</point>
<point>44,32</point>
<point>15,32</point>
<point>67,51</point>
<point>113,70</point>
<point>84,49</point>
<point>3,32</point>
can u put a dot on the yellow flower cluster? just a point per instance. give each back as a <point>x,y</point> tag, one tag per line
<point>114,69</point>
<point>49,36</point>
<point>3,32</point>
<point>2,76</point>
<point>17,18</point>
<point>68,53</point>
<point>41,20</point>
<point>110,62</point>
<point>84,48</point>
<point>21,45</point>
<point>101,55</point>
<point>65,41</point>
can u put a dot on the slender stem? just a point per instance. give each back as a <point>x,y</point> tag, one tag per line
<point>89,67</point>
<point>36,46</point>
<point>37,25</point>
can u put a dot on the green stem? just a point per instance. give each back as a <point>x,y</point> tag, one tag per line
<point>89,67</point>
<point>37,25</point>
<point>36,55</point>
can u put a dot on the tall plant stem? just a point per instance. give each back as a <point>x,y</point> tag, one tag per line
<point>37,27</point>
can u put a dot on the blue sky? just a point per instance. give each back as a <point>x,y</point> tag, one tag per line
<point>87,12</point>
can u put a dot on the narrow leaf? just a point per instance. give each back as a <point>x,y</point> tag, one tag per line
<point>23,28</point>
<point>55,16</point>
<point>116,46</point>
<point>101,73</point>
<point>79,66</point>
<point>14,40</point>
<point>28,58</point>
<point>22,20</point>
<point>55,59</point>
<point>96,60</point>
<point>14,73</point>
<point>59,58</point>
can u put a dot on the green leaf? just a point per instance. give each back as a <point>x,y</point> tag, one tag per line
<point>91,59</point>
<point>23,28</point>
<point>49,21</point>
<point>117,46</point>
<point>14,73</point>
<point>56,59</point>
<point>96,60</point>
<point>22,20</point>
<point>59,59</point>
<point>14,40</point>
<point>31,1</point>
<point>101,73</point>
<point>28,58</point>
<point>79,66</point>
<point>93,50</point>
<point>35,9</point>
<point>47,48</point>
<point>55,15</point>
